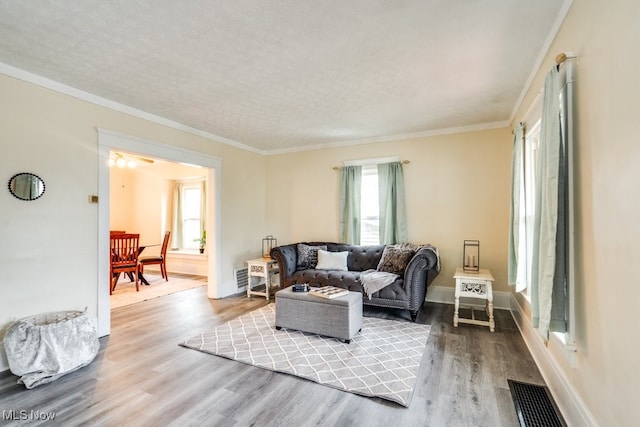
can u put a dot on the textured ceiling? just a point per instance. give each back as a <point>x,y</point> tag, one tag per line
<point>281,75</point>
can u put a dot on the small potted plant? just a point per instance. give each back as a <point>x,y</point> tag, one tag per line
<point>202,240</point>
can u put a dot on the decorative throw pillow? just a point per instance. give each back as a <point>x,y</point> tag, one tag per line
<point>308,256</point>
<point>396,257</point>
<point>332,260</point>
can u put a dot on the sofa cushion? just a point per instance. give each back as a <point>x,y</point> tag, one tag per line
<point>308,256</point>
<point>332,260</point>
<point>348,280</point>
<point>360,258</point>
<point>396,257</point>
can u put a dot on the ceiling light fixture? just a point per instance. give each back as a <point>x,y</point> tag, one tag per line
<point>122,160</point>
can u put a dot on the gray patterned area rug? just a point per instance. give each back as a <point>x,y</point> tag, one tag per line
<point>383,360</point>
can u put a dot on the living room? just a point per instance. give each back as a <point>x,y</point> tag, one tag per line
<point>458,187</point>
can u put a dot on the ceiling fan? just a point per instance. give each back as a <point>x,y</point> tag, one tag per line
<point>122,160</point>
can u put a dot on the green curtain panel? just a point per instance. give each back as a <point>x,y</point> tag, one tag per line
<point>350,191</point>
<point>517,242</point>
<point>393,216</point>
<point>548,277</point>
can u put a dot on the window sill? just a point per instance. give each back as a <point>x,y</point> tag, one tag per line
<point>569,349</point>
<point>186,253</point>
<point>557,340</point>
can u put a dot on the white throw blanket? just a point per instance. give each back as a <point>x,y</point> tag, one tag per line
<point>373,280</point>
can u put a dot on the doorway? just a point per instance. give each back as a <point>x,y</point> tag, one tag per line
<point>112,141</point>
<point>151,196</point>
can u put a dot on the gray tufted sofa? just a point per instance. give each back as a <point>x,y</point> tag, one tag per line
<point>406,292</point>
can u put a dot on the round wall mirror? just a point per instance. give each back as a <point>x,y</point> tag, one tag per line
<point>26,186</point>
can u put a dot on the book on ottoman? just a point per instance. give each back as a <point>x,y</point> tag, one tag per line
<point>329,292</point>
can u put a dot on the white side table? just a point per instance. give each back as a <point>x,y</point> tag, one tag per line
<point>474,285</point>
<point>260,268</point>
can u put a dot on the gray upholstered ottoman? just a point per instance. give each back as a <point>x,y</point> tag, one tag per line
<point>338,318</point>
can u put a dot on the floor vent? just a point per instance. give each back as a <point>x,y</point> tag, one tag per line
<point>241,276</point>
<point>535,406</point>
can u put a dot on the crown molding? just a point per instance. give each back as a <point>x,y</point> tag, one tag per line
<point>44,82</point>
<point>544,52</point>
<point>397,137</point>
<point>47,83</point>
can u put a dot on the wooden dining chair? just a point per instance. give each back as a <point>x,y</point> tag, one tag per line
<point>160,259</point>
<point>124,258</point>
<point>115,232</point>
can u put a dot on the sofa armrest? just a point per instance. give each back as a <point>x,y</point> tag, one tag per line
<point>287,258</point>
<point>419,274</point>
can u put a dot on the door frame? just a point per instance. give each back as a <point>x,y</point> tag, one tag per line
<point>113,141</point>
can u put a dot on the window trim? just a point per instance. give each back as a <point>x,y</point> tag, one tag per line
<point>188,184</point>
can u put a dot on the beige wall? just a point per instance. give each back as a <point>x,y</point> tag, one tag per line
<point>121,198</point>
<point>605,37</point>
<point>141,199</point>
<point>457,188</point>
<point>48,258</point>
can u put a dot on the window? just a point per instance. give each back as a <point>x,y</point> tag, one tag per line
<point>527,208</point>
<point>369,207</point>
<point>542,198</point>
<point>372,206</point>
<point>189,214</point>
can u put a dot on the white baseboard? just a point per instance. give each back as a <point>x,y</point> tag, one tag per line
<point>573,409</point>
<point>446,295</point>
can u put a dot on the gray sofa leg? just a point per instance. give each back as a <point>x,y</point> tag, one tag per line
<point>414,315</point>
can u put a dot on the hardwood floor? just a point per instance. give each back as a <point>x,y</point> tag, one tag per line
<point>141,376</point>
<point>126,293</point>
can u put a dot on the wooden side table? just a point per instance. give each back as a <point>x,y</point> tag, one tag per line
<point>260,268</point>
<point>474,285</point>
